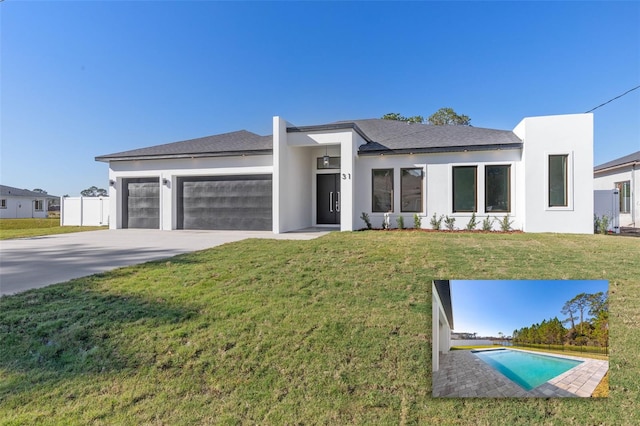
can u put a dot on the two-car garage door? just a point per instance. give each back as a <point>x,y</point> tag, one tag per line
<point>203,202</point>
<point>225,202</point>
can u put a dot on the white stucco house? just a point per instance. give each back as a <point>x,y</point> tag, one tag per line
<point>622,175</point>
<point>16,203</point>
<point>539,173</point>
<point>441,320</point>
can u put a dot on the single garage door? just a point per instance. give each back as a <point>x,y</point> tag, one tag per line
<point>141,203</point>
<point>225,202</point>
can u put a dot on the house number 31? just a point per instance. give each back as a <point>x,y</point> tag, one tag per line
<point>346,176</point>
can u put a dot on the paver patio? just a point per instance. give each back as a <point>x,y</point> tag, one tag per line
<point>462,374</point>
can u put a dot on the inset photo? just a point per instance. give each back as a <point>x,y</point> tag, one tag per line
<point>520,338</point>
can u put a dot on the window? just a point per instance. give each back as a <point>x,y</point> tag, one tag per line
<point>497,189</point>
<point>334,163</point>
<point>411,190</point>
<point>382,190</point>
<point>558,186</point>
<point>464,189</point>
<point>38,205</point>
<point>3,204</point>
<point>625,196</point>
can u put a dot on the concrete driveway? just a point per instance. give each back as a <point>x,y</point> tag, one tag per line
<point>40,261</point>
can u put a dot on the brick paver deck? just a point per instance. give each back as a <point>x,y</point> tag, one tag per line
<point>462,374</point>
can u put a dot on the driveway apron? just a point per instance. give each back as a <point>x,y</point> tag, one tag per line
<point>36,262</point>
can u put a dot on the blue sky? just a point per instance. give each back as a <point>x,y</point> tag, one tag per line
<point>81,79</point>
<point>488,307</point>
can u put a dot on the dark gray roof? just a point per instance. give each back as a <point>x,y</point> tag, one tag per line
<point>444,292</point>
<point>226,144</point>
<point>390,136</point>
<point>627,159</point>
<point>382,137</point>
<point>17,192</point>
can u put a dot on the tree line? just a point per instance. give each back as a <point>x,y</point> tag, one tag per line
<point>587,318</point>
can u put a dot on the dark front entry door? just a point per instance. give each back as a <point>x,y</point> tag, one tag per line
<point>328,199</point>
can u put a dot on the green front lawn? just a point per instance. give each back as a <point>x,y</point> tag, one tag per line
<point>335,330</point>
<point>24,228</point>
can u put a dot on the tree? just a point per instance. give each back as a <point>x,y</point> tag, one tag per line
<point>399,117</point>
<point>447,116</point>
<point>94,191</point>
<point>569,309</point>
<point>39,191</point>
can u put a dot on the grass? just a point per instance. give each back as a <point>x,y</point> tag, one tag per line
<point>335,330</point>
<point>25,228</point>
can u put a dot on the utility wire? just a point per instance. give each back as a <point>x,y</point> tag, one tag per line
<point>611,100</point>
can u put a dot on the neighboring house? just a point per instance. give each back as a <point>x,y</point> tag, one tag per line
<point>540,174</point>
<point>442,320</point>
<point>16,203</point>
<point>622,174</point>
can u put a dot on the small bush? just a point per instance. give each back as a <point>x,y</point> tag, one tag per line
<point>400,222</point>
<point>487,224</point>
<point>449,222</point>
<point>505,223</point>
<point>436,223</point>
<point>604,224</point>
<point>597,224</point>
<point>385,221</point>
<point>472,222</point>
<point>417,221</point>
<point>365,218</point>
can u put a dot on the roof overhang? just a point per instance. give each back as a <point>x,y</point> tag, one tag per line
<point>434,150</point>
<point>632,164</point>
<point>108,158</point>
<point>329,127</point>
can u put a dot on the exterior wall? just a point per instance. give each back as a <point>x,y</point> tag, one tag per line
<point>607,179</point>
<point>437,184</point>
<point>171,170</point>
<point>84,211</point>
<point>23,208</point>
<point>441,330</point>
<point>295,155</point>
<point>558,134</point>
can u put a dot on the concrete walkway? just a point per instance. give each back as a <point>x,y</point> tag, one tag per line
<point>36,262</point>
<point>462,374</point>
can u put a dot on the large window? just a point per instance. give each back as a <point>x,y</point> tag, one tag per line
<point>558,181</point>
<point>464,189</point>
<point>625,196</point>
<point>382,190</point>
<point>411,190</point>
<point>497,188</point>
<point>38,205</point>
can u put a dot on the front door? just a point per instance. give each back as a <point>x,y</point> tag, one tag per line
<point>328,199</point>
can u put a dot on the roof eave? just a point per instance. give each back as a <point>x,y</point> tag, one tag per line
<point>329,127</point>
<point>108,158</point>
<point>434,150</point>
<point>617,166</point>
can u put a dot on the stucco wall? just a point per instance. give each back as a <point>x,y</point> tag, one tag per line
<point>437,184</point>
<point>22,208</point>
<point>570,135</point>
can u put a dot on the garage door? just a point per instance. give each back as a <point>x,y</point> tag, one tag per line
<point>225,202</point>
<point>141,203</point>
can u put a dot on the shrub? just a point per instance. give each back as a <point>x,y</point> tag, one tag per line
<point>385,221</point>
<point>365,218</point>
<point>597,224</point>
<point>449,222</point>
<point>400,222</point>
<point>505,223</point>
<point>417,221</point>
<point>604,224</point>
<point>472,222</point>
<point>487,224</point>
<point>436,223</point>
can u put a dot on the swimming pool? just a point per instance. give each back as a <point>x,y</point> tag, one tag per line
<point>526,369</point>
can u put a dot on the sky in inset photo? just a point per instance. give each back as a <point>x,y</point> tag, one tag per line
<point>493,306</point>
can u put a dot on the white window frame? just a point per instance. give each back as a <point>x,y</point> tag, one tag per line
<point>570,182</point>
<point>40,203</point>
<point>3,203</point>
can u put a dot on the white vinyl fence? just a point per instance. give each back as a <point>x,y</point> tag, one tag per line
<point>84,211</point>
<point>606,202</point>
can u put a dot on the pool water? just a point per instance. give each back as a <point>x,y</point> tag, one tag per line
<point>526,369</point>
